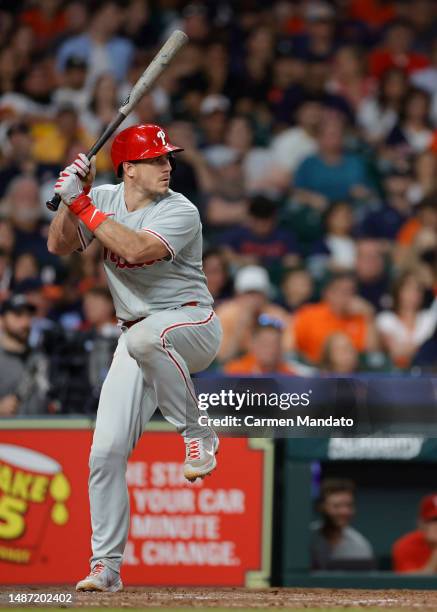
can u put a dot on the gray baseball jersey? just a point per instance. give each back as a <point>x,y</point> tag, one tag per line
<point>150,286</point>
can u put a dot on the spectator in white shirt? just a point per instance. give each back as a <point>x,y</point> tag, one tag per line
<point>408,325</point>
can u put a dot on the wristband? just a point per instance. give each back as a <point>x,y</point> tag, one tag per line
<point>84,208</point>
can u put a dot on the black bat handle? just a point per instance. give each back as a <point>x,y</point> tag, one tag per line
<point>53,204</point>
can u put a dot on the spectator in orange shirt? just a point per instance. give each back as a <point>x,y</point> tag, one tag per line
<point>341,310</point>
<point>266,355</point>
<point>416,552</point>
<point>418,234</point>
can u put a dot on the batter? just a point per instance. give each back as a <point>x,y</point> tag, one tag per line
<point>152,240</point>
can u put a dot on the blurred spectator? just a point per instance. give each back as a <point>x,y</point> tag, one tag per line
<point>408,325</point>
<point>332,174</point>
<point>44,300</point>
<point>18,158</point>
<point>23,380</point>
<point>318,41</point>
<point>261,241</point>
<point>418,235</point>
<point>139,24</point>
<point>385,222</point>
<point>266,354</point>
<point>297,288</point>
<point>372,276</point>
<point>413,133</point>
<point>374,13</point>
<point>335,544</point>
<point>30,99</point>
<point>191,174</point>
<point>341,310</point>
<point>213,120</point>
<point>253,75</point>
<point>349,77</point>
<point>378,113</point>
<point>72,87</point>
<point>25,213</point>
<point>98,310</point>
<point>239,315</point>
<point>339,356</point>
<point>99,45</point>
<point>227,204</point>
<point>259,176</point>
<point>7,236</point>
<point>47,20</point>
<point>216,67</point>
<point>52,139</point>
<point>25,266</point>
<point>336,251</point>
<point>5,274</point>
<point>292,146</point>
<point>103,105</point>
<point>100,322</point>
<point>216,269</point>
<point>426,79</point>
<point>397,50</point>
<point>416,552</point>
<point>76,17</point>
<point>425,171</point>
<point>426,357</point>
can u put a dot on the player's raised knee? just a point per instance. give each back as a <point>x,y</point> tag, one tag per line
<point>142,346</point>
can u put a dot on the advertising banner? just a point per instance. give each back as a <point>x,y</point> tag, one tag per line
<point>44,518</point>
<point>216,531</point>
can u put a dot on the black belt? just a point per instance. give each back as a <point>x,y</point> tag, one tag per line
<point>129,324</point>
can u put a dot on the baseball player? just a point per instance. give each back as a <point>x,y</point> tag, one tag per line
<point>152,240</point>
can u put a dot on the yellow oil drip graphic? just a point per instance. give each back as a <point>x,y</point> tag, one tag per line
<point>60,491</point>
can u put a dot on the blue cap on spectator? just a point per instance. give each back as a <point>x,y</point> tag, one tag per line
<point>29,284</point>
<point>17,303</point>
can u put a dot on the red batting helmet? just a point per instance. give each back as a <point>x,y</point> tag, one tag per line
<point>140,142</point>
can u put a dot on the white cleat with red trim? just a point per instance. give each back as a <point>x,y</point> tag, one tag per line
<point>101,579</point>
<point>200,456</point>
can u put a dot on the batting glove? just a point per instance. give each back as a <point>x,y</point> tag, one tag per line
<point>76,178</point>
<point>68,186</point>
<point>83,167</point>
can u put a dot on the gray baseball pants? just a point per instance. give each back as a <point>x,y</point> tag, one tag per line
<point>151,367</point>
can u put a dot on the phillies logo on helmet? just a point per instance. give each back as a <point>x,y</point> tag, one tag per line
<point>140,142</point>
<point>161,135</point>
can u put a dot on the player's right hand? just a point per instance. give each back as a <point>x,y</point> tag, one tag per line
<point>69,186</point>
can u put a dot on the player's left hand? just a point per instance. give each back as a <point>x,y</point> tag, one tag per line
<point>68,186</point>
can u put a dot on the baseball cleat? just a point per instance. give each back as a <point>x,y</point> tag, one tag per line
<point>200,458</point>
<point>101,579</point>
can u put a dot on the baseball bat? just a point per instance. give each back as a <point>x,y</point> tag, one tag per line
<point>161,60</point>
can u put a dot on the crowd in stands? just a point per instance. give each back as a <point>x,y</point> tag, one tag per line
<point>309,130</point>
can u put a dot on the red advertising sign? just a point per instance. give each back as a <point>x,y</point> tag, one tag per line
<point>208,532</point>
<point>44,506</point>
